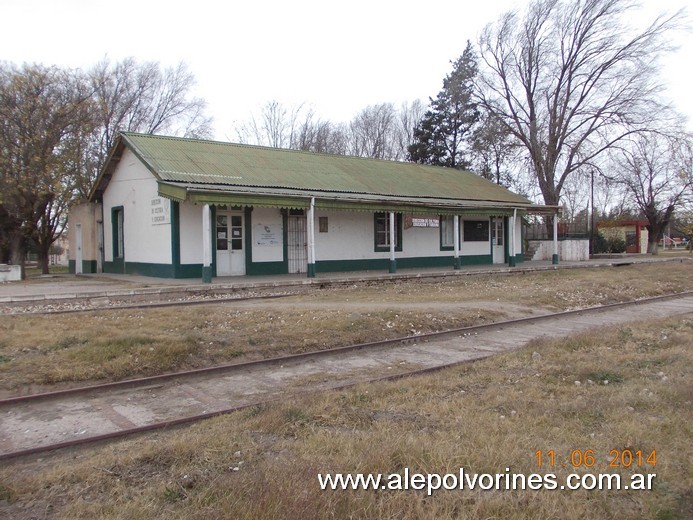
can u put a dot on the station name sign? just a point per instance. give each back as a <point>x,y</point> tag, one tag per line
<point>421,221</point>
<point>161,213</point>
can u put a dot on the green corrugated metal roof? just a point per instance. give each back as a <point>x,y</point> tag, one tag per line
<point>226,166</point>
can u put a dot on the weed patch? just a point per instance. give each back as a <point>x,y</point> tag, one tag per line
<point>263,462</point>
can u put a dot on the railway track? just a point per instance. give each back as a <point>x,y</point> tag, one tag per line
<point>149,297</point>
<point>45,422</point>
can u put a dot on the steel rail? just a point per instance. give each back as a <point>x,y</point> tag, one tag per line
<point>295,289</point>
<point>142,305</point>
<point>144,381</point>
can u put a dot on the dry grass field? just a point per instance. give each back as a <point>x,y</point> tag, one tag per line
<point>484,417</point>
<point>37,352</point>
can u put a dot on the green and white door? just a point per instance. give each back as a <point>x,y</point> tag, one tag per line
<point>230,244</point>
<point>497,237</point>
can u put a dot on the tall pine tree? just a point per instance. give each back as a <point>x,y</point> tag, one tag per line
<point>440,138</point>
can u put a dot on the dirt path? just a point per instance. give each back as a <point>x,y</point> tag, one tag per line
<point>79,417</point>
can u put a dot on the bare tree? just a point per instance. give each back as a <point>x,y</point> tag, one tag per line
<point>657,171</point>
<point>277,126</point>
<point>409,116</point>
<point>377,131</point>
<point>138,97</point>
<point>373,132</point>
<point>569,80</point>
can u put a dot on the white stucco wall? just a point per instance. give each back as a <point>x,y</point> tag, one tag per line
<point>474,248</point>
<point>349,236</point>
<point>190,233</point>
<point>518,235</point>
<point>267,245</point>
<point>133,187</point>
<point>421,241</point>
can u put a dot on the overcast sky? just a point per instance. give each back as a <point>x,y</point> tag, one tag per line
<point>337,57</point>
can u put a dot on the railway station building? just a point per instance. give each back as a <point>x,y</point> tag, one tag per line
<point>187,208</point>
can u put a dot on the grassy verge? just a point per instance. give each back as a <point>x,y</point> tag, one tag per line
<point>484,417</point>
<point>111,345</point>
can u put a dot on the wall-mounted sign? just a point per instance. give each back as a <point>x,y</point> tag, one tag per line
<point>421,221</point>
<point>161,212</point>
<point>267,235</point>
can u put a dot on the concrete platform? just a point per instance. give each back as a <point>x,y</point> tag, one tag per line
<point>65,287</point>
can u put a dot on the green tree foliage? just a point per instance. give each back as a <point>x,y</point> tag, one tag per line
<point>39,107</point>
<point>441,136</point>
<point>493,149</point>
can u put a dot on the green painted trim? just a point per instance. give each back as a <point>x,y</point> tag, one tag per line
<point>311,271</point>
<point>554,259</point>
<point>175,238</point>
<point>506,235</point>
<point>442,261</point>
<point>117,266</point>
<point>233,199</point>
<point>275,268</point>
<point>213,238</point>
<point>382,264</point>
<point>285,237</point>
<point>381,205</point>
<point>89,266</point>
<point>398,223</point>
<point>519,258</point>
<point>175,193</point>
<point>139,268</point>
<point>115,246</point>
<point>189,271</point>
<point>206,274</point>
<point>393,266</point>
<point>267,268</point>
<point>71,266</point>
<point>458,263</point>
<point>247,239</point>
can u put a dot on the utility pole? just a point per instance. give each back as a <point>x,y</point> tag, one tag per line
<point>591,211</point>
